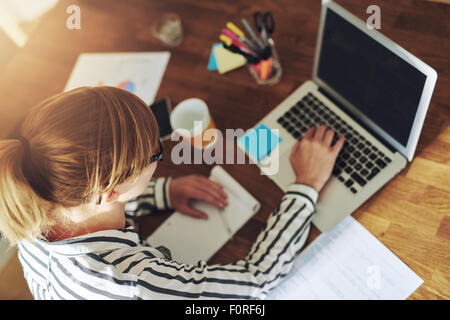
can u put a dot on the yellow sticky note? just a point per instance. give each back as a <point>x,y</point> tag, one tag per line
<point>227,60</point>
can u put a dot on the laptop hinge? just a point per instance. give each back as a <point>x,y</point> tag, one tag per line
<point>344,109</point>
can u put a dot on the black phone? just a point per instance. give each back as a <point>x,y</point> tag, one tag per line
<point>161,110</point>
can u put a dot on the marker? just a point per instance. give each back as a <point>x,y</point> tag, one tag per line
<point>230,34</point>
<point>266,68</point>
<point>241,36</point>
<point>228,41</point>
<point>235,39</point>
<point>235,29</point>
<point>250,58</point>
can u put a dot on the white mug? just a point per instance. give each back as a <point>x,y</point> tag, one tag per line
<point>191,119</point>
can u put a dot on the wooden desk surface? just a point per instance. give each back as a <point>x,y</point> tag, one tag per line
<point>411,215</point>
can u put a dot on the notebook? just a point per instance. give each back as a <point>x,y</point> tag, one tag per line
<point>191,240</point>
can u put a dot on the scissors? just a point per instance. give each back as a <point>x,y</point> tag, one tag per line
<point>265,24</point>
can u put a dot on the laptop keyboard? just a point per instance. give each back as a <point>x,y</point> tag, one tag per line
<point>358,162</point>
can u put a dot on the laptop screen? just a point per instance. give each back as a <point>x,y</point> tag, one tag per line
<point>382,86</point>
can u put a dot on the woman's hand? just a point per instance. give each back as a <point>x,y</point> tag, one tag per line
<point>313,157</point>
<point>184,189</point>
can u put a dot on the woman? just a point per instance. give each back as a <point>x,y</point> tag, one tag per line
<point>82,162</point>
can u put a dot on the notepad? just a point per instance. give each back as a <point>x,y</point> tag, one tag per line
<point>191,240</point>
<point>212,64</point>
<point>259,142</point>
<point>227,60</point>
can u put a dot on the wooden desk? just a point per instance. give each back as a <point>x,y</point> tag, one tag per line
<point>411,215</point>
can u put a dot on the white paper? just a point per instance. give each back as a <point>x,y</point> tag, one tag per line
<point>138,72</point>
<point>347,263</point>
<point>190,240</point>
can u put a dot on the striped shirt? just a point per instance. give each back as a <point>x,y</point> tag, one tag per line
<point>119,264</point>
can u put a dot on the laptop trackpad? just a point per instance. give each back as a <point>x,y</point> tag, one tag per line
<point>285,175</point>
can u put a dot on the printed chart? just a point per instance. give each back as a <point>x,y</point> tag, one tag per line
<point>139,73</point>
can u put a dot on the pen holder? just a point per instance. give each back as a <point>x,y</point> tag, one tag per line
<point>267,71</point>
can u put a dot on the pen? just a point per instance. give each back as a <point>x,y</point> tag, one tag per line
<point>231,26</point>
<point>252,34</point>
<point>224,221</point>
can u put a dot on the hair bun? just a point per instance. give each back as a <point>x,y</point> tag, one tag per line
<point>25,144</point>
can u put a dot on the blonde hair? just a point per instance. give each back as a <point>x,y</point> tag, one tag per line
<point>71,147</point>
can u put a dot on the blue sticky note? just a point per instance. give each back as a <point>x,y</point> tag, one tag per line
<point>212,65</point>
<point>259,142</point>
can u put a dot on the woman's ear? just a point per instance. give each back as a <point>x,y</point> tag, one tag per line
<point>112,196</point>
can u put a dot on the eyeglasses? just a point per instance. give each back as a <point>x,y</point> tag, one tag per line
<point>159,155</point>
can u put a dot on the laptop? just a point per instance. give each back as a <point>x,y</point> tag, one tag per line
<point>363,86</point>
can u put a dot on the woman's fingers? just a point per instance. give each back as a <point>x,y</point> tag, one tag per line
<point>184,189</point>
<point>294,150</point>
<point>219,198</point>
<point>193,212</point>
<point>310,133</point>
<point>320,131</point>
<point>209,184</point>
<point>207,196</point>
<point>328,137</point>
<point>218,194</point>
<point>338,145</point>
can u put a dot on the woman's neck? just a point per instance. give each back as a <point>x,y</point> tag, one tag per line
<point>85,219</point>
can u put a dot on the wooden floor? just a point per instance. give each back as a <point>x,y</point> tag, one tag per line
<point>411,215</point>
<point>12,283</point>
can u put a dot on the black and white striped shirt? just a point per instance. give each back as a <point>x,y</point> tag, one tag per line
<point>118,264</point>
